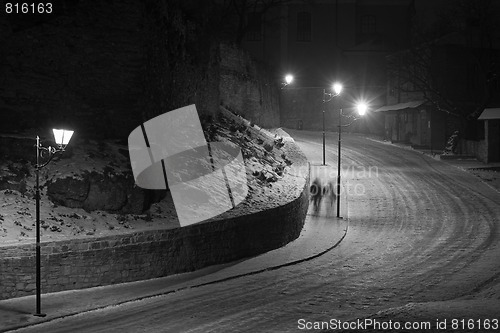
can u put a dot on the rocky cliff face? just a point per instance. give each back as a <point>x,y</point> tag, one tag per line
<point>102,191</point>
<point>90,175</point>
<point>247,89</point>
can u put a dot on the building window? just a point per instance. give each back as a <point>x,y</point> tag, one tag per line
<point>368,25</point>
<point>254,31</point>
<point>303,27</point>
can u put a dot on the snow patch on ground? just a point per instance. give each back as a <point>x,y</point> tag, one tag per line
<point>490,176</point>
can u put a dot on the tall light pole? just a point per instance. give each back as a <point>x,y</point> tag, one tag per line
<point>361,109</point>
<point>61,137</point>
<point>337,88</point>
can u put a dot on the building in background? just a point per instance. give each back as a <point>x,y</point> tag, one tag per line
<point>323,41</point>
<point>439,86</point>
<point>436,89</point>
<point>488,149</point>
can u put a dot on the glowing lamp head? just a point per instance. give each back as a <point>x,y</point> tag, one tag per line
<point>62,137</point>
<point>362,108</point>
<point>288,79</point>
<point>337,88</point>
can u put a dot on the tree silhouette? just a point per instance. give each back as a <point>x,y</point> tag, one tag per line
<point>469,28</point>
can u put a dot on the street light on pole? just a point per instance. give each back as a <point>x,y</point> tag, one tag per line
<point>337,89</point>
<point>61,138</point>
<point>288,80</point>
<point>327,97</point>
<point>361,109</point>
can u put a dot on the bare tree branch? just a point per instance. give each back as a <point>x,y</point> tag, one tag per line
<point>416,71</point>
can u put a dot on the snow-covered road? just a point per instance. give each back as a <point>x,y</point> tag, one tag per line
<point>420,230</point>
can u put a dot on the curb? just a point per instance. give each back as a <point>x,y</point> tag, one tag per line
<point>188,287</point>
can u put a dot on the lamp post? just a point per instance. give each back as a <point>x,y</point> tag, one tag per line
<point>337,88</point>
<point>61,137</point>
<point>361,108</point>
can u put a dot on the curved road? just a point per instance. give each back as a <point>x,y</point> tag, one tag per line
<point>420,230</point>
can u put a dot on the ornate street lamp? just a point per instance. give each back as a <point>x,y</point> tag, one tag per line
<point>361,109</point>
<point>61,138</point>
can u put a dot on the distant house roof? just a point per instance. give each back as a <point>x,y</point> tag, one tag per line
<point>493,113</point>
<point>400,106</point>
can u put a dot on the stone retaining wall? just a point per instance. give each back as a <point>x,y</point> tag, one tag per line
<point>83,263</point>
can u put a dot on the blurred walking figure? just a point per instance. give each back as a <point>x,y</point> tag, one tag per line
<point>329,190</point>
<point>316,194</point>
